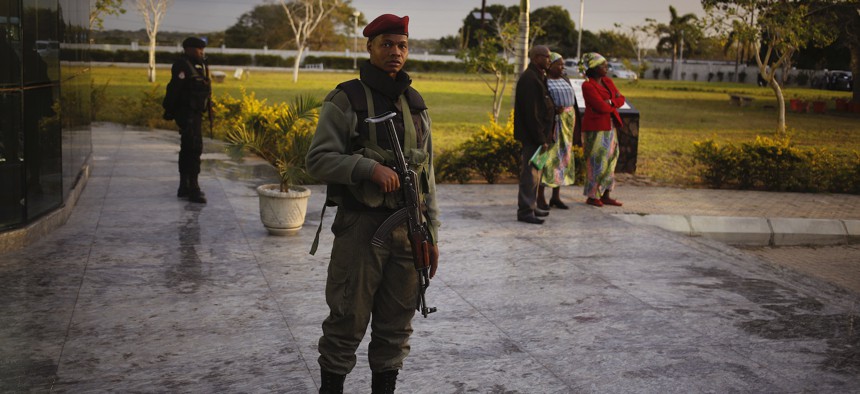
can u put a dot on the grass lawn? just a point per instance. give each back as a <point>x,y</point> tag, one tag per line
<point>672,114</point>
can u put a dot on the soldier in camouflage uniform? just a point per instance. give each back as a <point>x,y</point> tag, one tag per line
<point>368,284</point>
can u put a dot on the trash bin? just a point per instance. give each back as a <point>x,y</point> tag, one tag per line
<point>628,135</point>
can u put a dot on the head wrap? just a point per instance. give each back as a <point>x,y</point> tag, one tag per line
<point>387,24</point>
<point>554,56</point>
<point>193,42</point>
<point>590,60</point>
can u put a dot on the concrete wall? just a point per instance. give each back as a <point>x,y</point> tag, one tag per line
<point>698,70</point>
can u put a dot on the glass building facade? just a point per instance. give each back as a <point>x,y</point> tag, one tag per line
<point>45,106</point>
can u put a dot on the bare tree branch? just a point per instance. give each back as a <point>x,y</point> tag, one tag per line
<point>304,17</point>
<point>153,12</point>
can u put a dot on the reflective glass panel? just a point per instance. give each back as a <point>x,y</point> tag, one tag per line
<point>42,151</point>
<point>11,166</point>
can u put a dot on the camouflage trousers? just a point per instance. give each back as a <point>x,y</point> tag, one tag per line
<point>367,284</point>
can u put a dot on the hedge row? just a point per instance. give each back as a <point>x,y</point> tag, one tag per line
<point>226,59</point>
<point>776,164</point>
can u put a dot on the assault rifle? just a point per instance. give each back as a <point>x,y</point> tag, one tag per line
<point>419,235</point>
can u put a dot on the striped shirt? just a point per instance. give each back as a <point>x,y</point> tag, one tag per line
<point>561,92</point>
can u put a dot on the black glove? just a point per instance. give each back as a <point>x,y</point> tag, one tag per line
<point>168,115</point>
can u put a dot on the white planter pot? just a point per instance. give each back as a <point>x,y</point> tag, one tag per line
<point>283,213</point>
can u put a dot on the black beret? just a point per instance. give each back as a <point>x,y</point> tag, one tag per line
<point>387,24</point>
<point>193,42</point>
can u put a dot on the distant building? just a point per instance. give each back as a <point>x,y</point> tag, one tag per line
<point>45,112</point>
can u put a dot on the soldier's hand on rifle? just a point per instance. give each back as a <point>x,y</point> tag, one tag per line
<point>434,259</point>
<point>386,178</point>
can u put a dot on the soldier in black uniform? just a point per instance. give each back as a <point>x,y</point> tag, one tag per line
<point>189,96</point>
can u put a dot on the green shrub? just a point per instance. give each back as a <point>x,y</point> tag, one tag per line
<point>145,110</point>
<point>720,163</point>
<point>667,73</point>
<point>224,59</point>
<point>656,73</point>
<point>449,167</point>
<point>273,61</point>
<point>279,133</point>
<point>226,109</point>
<point>742,76</point>
<point>773,163</point>
<point>776,164</point>
<point>491,153</point>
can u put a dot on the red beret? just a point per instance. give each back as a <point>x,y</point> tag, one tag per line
<point>387,24</point>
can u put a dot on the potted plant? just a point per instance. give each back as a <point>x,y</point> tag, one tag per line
<point>819,106</point>
<point>798,105</point>
<point>280,134</point>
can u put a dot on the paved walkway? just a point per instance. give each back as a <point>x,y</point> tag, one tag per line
<point>141,292</point>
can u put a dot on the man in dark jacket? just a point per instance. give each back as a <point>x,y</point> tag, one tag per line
<point>189,96</point>
<point>534,112</point>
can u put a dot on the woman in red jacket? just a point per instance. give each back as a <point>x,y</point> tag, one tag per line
<point>599,125</point>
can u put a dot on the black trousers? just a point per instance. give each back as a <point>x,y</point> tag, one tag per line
<point>191,143</point>
<point>529,182</point>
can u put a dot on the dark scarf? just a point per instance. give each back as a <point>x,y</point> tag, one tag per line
<point>380,81</point>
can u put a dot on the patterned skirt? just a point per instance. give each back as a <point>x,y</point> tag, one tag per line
<point>559,169</point>
<point>601,156</point>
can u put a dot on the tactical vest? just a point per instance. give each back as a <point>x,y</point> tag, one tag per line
<point>199,87</point>
<point>373,143</point>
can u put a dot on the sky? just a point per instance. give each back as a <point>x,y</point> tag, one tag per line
<point>427,18</point>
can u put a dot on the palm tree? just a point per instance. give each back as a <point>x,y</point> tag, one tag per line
<point>681,30</point>
<point>741,47</point>
<point>521,45</point>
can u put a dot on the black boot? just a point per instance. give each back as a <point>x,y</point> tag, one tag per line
<point>183,191</point>
<point>383,382</point>
<point>194,192</point>
<point>331,383</point>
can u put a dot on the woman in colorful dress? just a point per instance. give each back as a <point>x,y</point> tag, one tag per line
<point>559,169</point>
<point>599,125</point>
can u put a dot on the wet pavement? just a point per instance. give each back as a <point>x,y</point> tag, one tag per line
<point>142,292</point>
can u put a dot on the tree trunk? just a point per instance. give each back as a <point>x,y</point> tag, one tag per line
<point>674,57</point>
<point>521,46</point>
<point>151,59</point>
<point>780,106</point>
<point>855,69</point>
<point>769,75</point>
<point>298,61</point>
<point>737,63</point>
<point>777,91</point>
<point>498,95</point>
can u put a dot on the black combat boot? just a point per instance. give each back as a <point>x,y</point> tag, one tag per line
<point>331,383</point>
<point>183,191</point>
<point>194,192</point>
<point>383,382</point>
